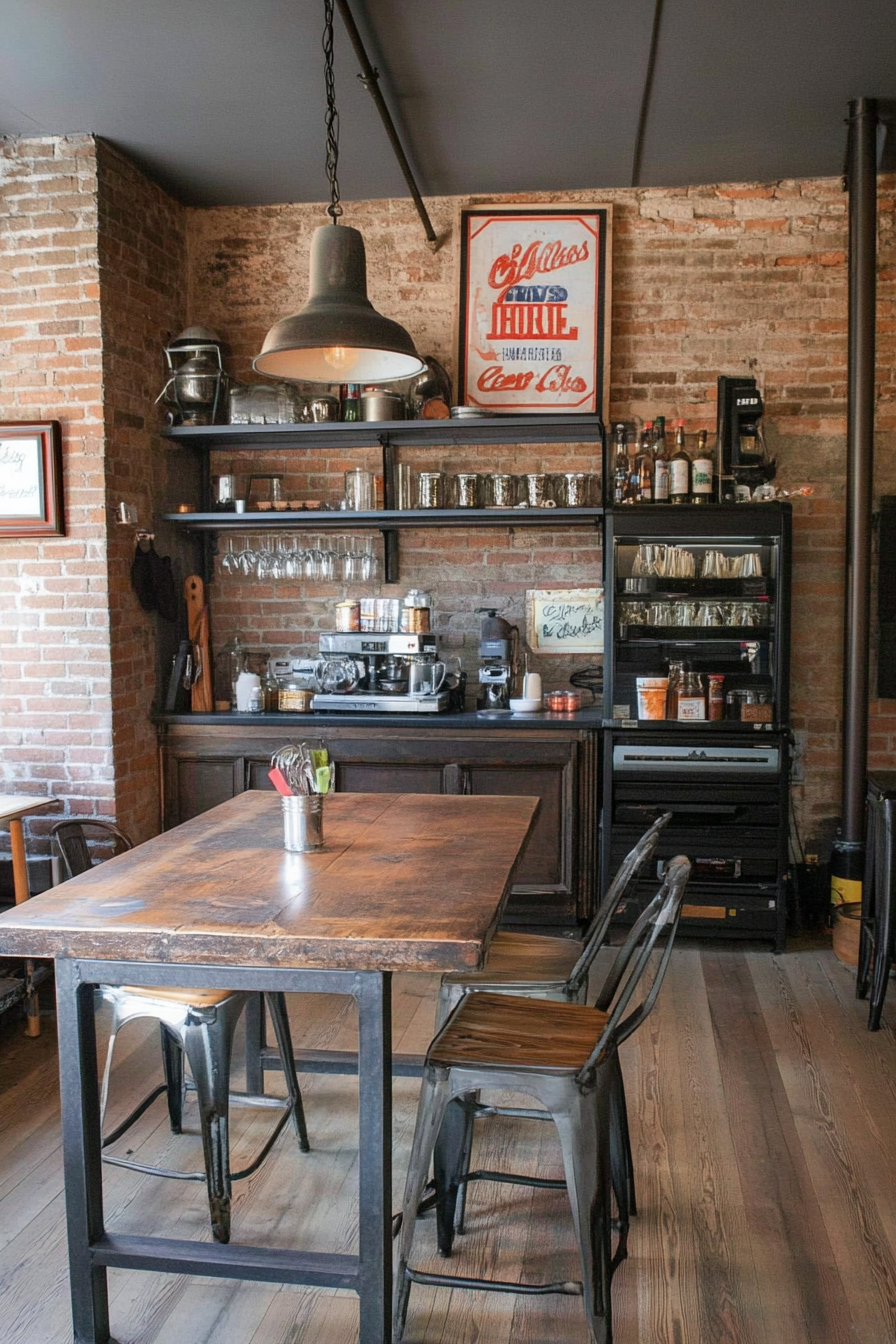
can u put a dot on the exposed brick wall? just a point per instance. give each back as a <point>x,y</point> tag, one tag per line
<point>739,279</point>
<point>93,279</point>
<point>96,266</point>
<point>142,256</point>
<point>56,728</point>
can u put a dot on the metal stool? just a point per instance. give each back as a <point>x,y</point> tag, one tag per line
<point>198,1025</point>
<point>877,935</point>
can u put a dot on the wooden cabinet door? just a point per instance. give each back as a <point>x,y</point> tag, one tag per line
<point>195,783</point>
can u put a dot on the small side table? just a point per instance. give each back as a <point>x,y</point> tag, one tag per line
<point>13,807</point>
<point>878,928</point>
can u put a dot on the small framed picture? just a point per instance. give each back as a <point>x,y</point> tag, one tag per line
<point>565,620</point>
<point>534,308</point>
<point>31,480</point>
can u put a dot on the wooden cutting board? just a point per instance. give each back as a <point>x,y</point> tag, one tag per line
<point>201,694</point>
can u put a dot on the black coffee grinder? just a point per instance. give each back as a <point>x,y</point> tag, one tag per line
<point>741,446</point>
<point>498,658</point>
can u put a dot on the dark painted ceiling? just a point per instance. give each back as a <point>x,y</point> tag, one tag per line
<point>223,102</point>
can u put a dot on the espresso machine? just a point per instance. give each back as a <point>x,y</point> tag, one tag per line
<point>498,660</point>
<point>741,447</point>
<point>380,673</point>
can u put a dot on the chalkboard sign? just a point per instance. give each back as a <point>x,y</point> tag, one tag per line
<point>565,620</point>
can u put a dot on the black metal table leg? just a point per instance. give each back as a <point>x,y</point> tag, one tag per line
<point>374,995</point>
<point>81,1153</point>
<point>255,1044</point>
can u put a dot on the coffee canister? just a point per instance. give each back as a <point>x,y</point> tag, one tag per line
<point>430,490</point>
<point>415,612</point>
<point>379,404</point>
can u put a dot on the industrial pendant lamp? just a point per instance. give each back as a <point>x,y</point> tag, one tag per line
<point>338,336</point>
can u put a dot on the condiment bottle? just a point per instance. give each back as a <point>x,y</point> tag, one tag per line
<point>715,697</point>
<point>692,696</point>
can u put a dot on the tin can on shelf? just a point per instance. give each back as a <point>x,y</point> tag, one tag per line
<point>348,615</point>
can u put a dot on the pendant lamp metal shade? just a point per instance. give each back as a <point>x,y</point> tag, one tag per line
<point>338,336</point>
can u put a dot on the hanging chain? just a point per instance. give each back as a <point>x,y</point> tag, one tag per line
<point>334,209</point>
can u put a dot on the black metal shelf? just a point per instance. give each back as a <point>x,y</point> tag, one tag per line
<point>693,634</point>
<point>344,520</point>
<point>410,433</point>
<point>651,588</point>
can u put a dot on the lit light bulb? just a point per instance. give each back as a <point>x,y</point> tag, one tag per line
<point>341,357</point>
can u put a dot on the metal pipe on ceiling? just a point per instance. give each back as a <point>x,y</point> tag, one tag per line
<point>369,77</point>
<point>862,184</point>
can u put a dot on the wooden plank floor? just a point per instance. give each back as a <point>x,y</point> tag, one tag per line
<point>763,1119</point>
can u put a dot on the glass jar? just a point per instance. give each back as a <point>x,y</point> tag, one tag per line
<point>691,697</point>
<point>416,613</point>
<point>295,696</point>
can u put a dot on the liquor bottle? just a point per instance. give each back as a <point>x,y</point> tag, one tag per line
<point>351,402</point>
<point>633,488</point>
<point>660,463</point>
<point>680,469</point>
<point>645,471</point>
<point>620,467</point>
<point>701,472</point>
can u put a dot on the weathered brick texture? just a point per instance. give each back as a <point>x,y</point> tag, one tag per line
<point>98,267</point>
<point>738,279</point>
<point>56,728</point>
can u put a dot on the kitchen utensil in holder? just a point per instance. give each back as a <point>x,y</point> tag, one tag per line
<point>303,822</point>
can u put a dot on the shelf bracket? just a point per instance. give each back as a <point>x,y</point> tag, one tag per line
<point>390,534</point>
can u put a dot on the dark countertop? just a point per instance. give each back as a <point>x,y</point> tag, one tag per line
<point>583,718</point>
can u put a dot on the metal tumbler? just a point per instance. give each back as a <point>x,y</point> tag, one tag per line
<point>303,822</point>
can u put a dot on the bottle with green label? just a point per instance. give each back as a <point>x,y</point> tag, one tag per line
<point>701,472</point>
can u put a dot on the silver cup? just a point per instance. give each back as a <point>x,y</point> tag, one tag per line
<point>303,822</point>
<point>501,490</point>
<point>430,490</point>
<point>465,490</point>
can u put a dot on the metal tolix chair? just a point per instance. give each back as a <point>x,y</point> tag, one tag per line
<point>199,1024</point>
<point>550,968</point>
<point>564,1055</point>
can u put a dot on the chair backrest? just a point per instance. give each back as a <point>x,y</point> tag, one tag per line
<point>629,871</point>
<point>71,839</point>
<point>658,919</point>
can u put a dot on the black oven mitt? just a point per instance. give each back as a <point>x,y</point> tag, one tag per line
<point>153,581</point>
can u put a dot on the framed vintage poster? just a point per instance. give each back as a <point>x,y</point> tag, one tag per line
<point>565,620</point>
<point>31,480</point>
<point>534,308</point>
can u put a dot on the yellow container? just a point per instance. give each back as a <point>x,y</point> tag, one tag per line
<point>846,932</point>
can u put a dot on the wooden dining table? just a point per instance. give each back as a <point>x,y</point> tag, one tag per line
<point>404,882</point>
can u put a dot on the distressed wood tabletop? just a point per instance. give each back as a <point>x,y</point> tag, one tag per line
<point>404,882</point>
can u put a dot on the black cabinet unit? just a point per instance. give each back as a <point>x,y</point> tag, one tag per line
<point>707,587</point>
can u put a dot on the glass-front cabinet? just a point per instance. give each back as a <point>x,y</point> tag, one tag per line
<point>699,612</point>
<point>696,676</point>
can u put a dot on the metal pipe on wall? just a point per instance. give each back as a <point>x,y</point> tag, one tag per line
<point>862,185</point>
<point>369,77</point>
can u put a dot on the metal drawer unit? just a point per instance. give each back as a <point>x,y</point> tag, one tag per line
<point>728,799</point>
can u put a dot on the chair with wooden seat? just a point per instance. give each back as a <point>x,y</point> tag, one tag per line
<point>196,1023</point>
<point>552,968</point>
<point>546,967</point>
<point>563,1055</point>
